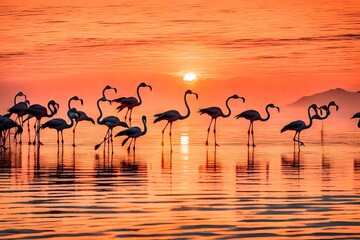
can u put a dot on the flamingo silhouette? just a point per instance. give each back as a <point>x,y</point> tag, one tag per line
<point>39,112</point>
<point>357,115</point>
<point>130,102</point>
<point>214,113</point>
<point>253,115</point>
<point>327,114</point>
<point>19,121</point>
<point>19,109</point>
<point>110,122</point>
<point>173,115</point>
<point>5,125</point>
<point>60,124</point>
<point>300,125</point>
<point>82,116</point>
<point>133,133</point>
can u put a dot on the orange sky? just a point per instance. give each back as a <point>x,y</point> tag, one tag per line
<point>273,51</point>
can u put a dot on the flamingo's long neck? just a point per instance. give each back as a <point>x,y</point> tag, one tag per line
<point>227,106</point>
<point>310,118</point>
<point>145,128</point>
<point>69,103</point>
<point>52,109</point>
<point>71,121</point>
<point>138,93</point>
<point>100,116</point>
<point>103,92</point>
<point>187,107</point>
<point>268,114</point>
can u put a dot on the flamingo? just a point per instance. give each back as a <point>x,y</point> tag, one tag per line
<point>130,102</point>
<point>60,124</point>
<point>214,113</point>
<point>253,115</point>
<point>19,109</point>
<point>133,133</point>
<point>5,125</point>
<point>39,112</point>
<point>110,122</point>
<point>357,115</point>
<point>173,115</point>
<point>82,116</point>
<point>300,125</point>
<point>327,114</point>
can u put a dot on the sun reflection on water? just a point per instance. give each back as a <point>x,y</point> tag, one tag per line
<point>184,141</point>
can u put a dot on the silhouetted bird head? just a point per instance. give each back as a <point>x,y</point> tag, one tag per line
<point>77,99</point>
<point>332,103</point>
<point>191,92</point>
<point>235,96</point>
<point>20,94</point>
<point>273,106</point>
<point>145,85</point>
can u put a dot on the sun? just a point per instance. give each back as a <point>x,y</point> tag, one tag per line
<point>189,77</point>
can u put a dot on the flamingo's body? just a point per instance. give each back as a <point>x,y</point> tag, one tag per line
<point>357,115</point>
<point>214,113</point>
<point>253,115</point>
<point>131,102</point>
<point>40,112</point>
<point>5,125</point>
<point>81,116</point>
<point>60,124</point>
<point>133,133</point>
<point>300,125</point>
<point>173,115</point>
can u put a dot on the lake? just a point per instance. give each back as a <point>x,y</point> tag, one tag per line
<point>228,192</point>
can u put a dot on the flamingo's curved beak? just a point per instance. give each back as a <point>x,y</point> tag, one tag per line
<point>25,96</point>
<point>337,107</point>
<point>149,87</point>
<point>243,99</point>
<point>115,90</point>
<point>81,101</point>
<point>278,109</point>
<point>197,96</point>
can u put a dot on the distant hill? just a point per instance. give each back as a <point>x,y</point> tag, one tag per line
<point>349,102</point>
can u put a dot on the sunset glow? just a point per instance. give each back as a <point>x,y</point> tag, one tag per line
<point>189,77</point>
<point>190,119</point>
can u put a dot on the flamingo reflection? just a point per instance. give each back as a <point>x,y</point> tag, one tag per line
<point>166,164</point>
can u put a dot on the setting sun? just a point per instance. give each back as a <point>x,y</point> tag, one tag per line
<point>189,77</point>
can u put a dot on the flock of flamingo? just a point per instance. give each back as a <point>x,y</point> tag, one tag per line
<point>25,112</point>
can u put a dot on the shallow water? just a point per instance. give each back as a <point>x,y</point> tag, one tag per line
<point>193,192</point>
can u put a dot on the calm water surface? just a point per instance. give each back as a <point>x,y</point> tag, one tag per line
<point>193,192</point>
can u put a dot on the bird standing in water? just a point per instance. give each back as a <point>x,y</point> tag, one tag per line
<point>300,125</point>
<point>214,113</point>
<point>253,115</point>
<point>131,102</point>
<point>173,115</point>
<point>133,133</point>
